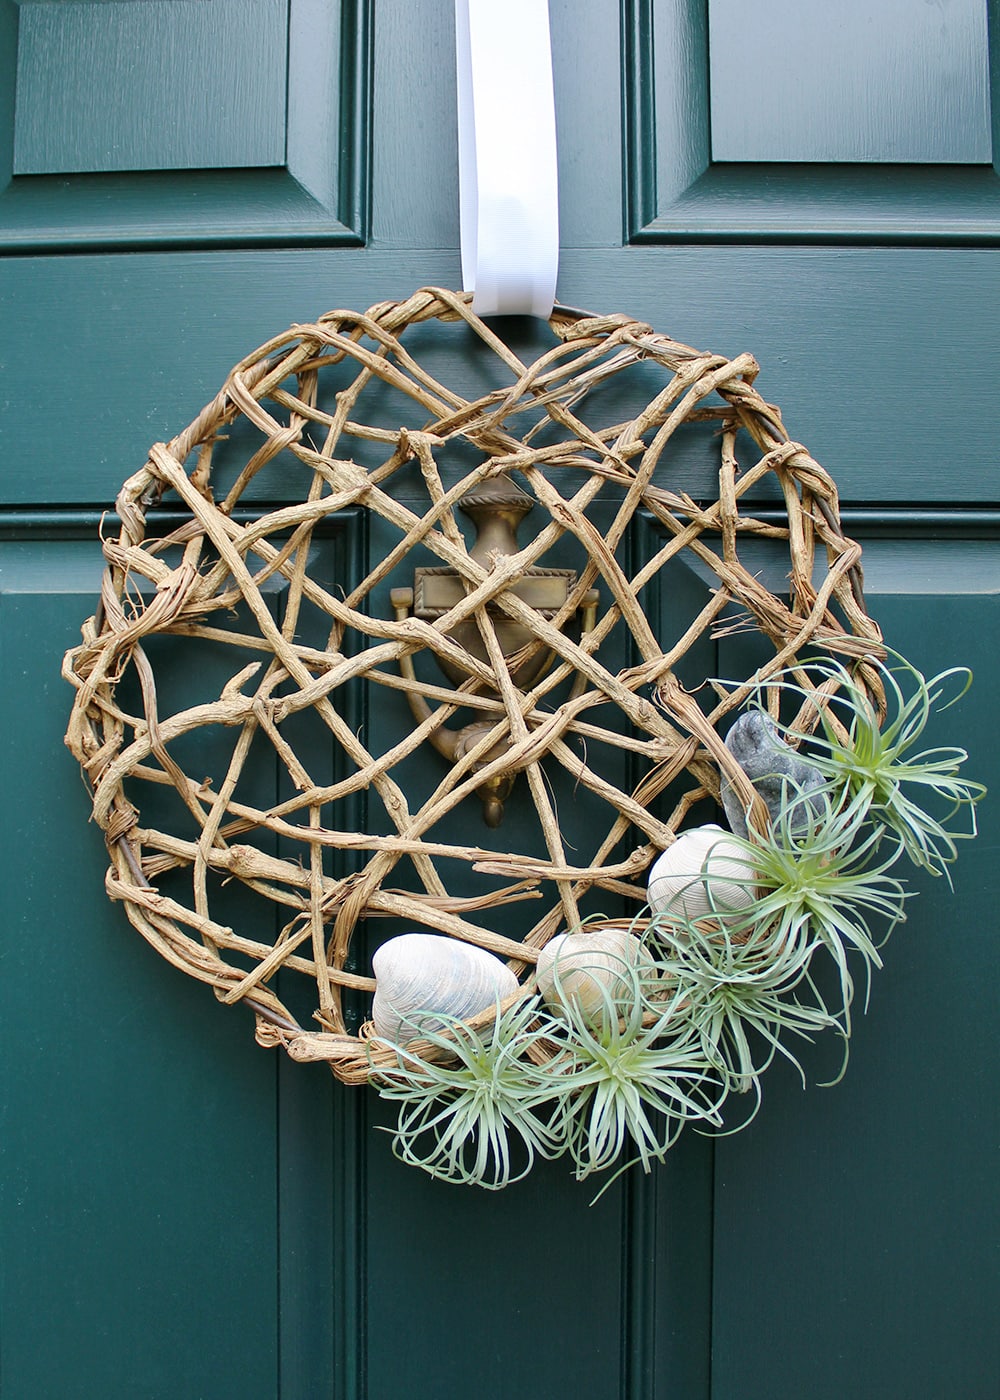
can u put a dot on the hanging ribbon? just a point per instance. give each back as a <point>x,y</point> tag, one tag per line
<point>509,193</point>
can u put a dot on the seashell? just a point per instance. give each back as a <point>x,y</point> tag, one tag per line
<point>774,768</point>
<point>421,977</point>
<point>590,968</point>
<point>702,874</point>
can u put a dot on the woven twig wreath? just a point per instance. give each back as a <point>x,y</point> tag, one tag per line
<point>200,572</point>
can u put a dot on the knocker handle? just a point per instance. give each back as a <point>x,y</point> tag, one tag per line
<point>454,744</point>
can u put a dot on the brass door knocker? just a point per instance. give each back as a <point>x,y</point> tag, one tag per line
<point>496,508</point>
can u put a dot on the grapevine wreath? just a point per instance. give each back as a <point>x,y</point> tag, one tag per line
<point>541,1001</point>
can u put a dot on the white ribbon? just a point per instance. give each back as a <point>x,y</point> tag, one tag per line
<point>508,183</point>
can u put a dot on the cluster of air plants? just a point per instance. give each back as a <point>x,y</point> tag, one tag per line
<point>478,1106</point>
<point>608,1069</point>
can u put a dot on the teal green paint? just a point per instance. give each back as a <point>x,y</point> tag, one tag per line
<point>322,1280</point>
<point>638,117</point>
<point>316,192</point>
<point>665,96</point>
<point>899,83</point>
<point>847,205</point>
<point>138,1207</point>
<point>356,83</point>
<point>886,324</point>
<point>841,1241</point>
<point>993,28</point>
<point>855,1226</point>
<point>91,95</point>
<point>678,195</point>
<point>492,1323</point>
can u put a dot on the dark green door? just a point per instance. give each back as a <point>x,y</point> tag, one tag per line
<point>186,1215</point>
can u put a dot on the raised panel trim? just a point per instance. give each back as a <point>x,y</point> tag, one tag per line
<point>321,1127</point>
<point>320,196</point>
<point>893,82</point>
<point>97,88</point>
<point>673,192</point>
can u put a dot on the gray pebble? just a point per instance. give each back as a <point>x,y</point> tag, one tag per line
<point>771,765</point>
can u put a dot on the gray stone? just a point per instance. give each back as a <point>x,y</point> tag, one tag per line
<point>776,771</point>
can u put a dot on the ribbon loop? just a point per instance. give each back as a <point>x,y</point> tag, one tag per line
<point>508,180</point>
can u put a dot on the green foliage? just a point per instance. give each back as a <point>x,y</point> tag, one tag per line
<point>919,798</point>
<point>818,887</point>
<point>476,1118</point>
<point>667,1038</point>
<point>633,1073</point>
<point>612,1080</point>
<point>741,993</point>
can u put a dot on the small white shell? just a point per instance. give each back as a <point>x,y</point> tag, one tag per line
<point>702,874</point>
<point>422,976</point>
<point>590,968</point>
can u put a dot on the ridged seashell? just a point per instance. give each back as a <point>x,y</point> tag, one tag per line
<point>588,969</point>
<point>702,874</point>
<point>421,976</point>
<point>774,768</point>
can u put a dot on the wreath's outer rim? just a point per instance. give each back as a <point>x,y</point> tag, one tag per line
<point>112,638</point>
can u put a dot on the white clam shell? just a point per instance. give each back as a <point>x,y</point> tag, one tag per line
<point>421,976</point>
<point>703,874</point>
<point>588,969</point>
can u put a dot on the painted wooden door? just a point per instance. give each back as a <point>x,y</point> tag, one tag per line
<point>185,1215</point>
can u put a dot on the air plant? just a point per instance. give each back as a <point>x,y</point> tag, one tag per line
<point>876,766</point>
<point>598,1080</point>
<point>742,995</point>
<point>477,1117</point>
<point>632,1074</point>
<point>821,882</point>
<point>745,979</point>
<point>637,1039</point>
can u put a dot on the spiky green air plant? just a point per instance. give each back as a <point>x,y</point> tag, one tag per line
<point>617,1075</point>
<point>479,1118</point>
<point>743,994</point>
<point>821,883</point>
<point>876,765</point>
<point>632,1076</point>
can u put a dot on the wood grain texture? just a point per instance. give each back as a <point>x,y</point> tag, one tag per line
<point>896,82</point>
<point>677,192</point>
<point>161,85</point>
<point>861,348</point>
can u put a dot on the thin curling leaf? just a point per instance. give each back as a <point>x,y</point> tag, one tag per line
<point>918,797</point>
<point>630,1082</point>
<point>880,765</point>
<point>744,995</point>
<point>477,1119</point>
<point>823,882</point>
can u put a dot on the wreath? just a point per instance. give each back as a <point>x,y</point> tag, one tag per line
<point>538,1002</point>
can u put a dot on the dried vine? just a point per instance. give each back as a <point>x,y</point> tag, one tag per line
<point>205,579</point>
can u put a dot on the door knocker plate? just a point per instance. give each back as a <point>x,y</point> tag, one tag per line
<point>496,508</point>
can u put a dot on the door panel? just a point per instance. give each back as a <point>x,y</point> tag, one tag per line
<point>896,84</point>
<point>676,191</point>
<point>912,336</point>
<point>139,1232</point>
<point>185,1214</point>
<point>70,56</point>
<point>855,1225</point>
<point>256,136</point>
